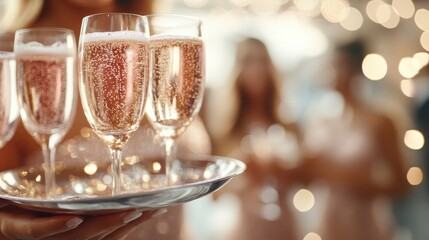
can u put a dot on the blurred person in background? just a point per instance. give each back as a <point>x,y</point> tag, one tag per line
<point>21,150</point>
<point>356,153</point>
<point>258,137</point>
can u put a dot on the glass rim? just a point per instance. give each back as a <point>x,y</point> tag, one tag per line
<point>44,29</point>
<point>7,55</point>
<point>112,13</point>
<point>168,15</point>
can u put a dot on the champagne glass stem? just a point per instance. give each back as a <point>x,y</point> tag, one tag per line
<point>49,159</point>
<point>170,155</point>
<point>116,156</point>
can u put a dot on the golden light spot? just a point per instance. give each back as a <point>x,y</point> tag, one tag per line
<point>393,19</point>
<point>101,187</point>
<point>383,13</point>
<point>420,60</point>
<point>306,5</point>
<point>371,9</point>
<point>85,132</point>
<point>407,87</point>
<point>131,160</point>
<point>424,40</point>
<point>374,66</point>
<point>312,236</point>
<point>334,10</point>
<point>407,68</point>
<point>414,139</point>
<point>38,178</point>
<point>90,168</point>
<point>353,21</point>
<point>404,8</point>
<point>422,19</point>
<point>156,166</point>
<point>303,200</point>
<point>415,176</point>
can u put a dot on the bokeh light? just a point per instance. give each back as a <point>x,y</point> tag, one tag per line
<point>353,21</point>
<point>407,87</point>
<point>415,176</point>
<point>372,8</point>
<point>422,19</point>
<point>90,168</point>
<point>404,8</point>
<point>156,166</point>
<point>271,212</point>
<point>374,66</point>
<point>306,5</point>
<point>407,67</point>
<point>383,13</point>
<point>334,10</point>
<point>414,139</point>
<point>312,236</point>
<point>420,60</point>
<point>303,200</point>
<point>424,40</point>
<point>393,19</point>
<point>85,132</point>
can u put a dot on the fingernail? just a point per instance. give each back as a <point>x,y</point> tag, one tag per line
<point>131,216</point>
<point>159,213</point>
<point>74,222</point>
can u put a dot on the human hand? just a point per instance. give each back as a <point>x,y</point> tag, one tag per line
<point>18,223</point>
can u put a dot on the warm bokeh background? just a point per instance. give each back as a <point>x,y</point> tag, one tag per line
<point>301,37</point>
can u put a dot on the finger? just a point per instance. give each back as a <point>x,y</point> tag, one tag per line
<point>93,227</point>
<point>124,231</point>
<point>17,223</point>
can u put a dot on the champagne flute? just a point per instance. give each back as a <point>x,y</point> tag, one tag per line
<point>46,73</point>
<point>9,110</point>
<point>113,65</point>
<point>177,77</point>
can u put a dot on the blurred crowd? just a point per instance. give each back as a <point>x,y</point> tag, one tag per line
<point>344,160</point>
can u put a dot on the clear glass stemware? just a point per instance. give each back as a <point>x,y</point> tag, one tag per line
<point>9,111</point>
<point>177,77</point>
<point>45,62</point>
<point>113,66</point>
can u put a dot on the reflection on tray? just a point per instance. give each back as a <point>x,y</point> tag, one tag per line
<point>87,187</point>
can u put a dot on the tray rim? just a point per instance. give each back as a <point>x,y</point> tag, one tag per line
<point>107,198</point>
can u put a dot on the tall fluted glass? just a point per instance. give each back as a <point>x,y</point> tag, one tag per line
<point>46,76</point>
<point>177,77</point>
<point>113,67</point>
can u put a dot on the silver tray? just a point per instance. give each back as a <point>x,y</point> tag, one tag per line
<point>85,189</point>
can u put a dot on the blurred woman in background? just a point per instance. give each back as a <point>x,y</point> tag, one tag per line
<point>258,137</point>
<point>356,154</point>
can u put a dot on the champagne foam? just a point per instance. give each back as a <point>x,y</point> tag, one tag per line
<point>57,48</point>
<point>120,35</point>
<point>175,37</point>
